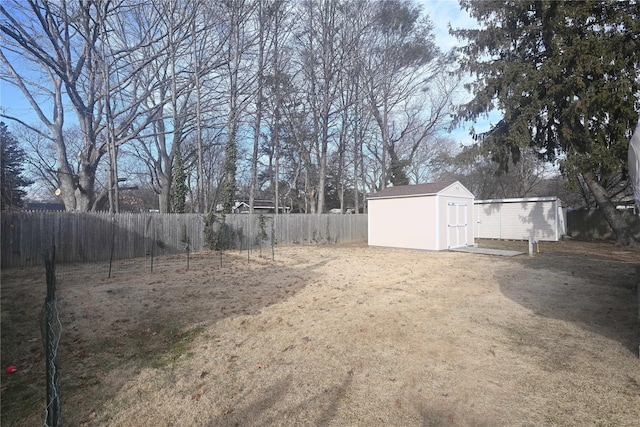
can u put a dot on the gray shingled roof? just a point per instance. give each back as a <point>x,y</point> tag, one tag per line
<point>411,190</point>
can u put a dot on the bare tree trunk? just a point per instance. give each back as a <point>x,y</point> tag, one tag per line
<point>309,190</point>
<point>114,205</point>
<point>163,168</point>
<point>357,144</point>
<point>329,83</point>
<point>201,198</point>
<point>231,148</point>
<point>276,169</point>
<point>276,113</point>
<point>341,159</point>
<point>364,181</point>
<point>615,220</point>
<point>258,120</point>
<point>164,198</point>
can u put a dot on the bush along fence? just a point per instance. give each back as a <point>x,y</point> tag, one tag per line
<point>85,237</point>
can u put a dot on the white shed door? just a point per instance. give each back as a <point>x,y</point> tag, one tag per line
<point>456,224</point>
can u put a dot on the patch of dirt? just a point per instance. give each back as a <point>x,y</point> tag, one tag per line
<point>334,335</point>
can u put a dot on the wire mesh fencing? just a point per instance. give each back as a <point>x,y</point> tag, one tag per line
<point>51,329</point>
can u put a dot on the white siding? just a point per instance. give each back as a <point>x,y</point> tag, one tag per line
<point>520,219</point>
<point>488,221</point>
<point>407,222</point>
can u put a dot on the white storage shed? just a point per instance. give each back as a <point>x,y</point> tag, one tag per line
<point>540,218</point>
<point>435,216</point>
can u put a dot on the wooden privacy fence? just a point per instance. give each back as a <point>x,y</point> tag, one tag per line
<point>81,237</point>
<point>592,224</point>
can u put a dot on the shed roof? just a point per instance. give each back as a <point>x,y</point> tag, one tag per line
<point>427,189</point>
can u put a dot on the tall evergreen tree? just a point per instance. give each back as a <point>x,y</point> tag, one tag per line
<point>12,158</point>
<point>565,76</point>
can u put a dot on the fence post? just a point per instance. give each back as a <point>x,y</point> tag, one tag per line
<point>51,330</point>
<point>638,290</point>
<point>113,242</point>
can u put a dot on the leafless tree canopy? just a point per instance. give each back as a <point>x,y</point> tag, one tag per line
<point>310,104</point>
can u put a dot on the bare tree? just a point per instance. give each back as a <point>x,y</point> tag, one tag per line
<point>63,42</point>
<point>401,59</point>
<point>237,13</point>
<point>478,171</point>
<point>323,97</point>
<point>430,162</point>
<point>321,64</point>
<point>181,101</point>
<point>263,17</point>
<point>41,160</point>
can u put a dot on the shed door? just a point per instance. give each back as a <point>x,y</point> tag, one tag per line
<point>456,224</point>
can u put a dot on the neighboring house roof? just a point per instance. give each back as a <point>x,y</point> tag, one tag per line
<point>427,189</point>
<point>257,205</point>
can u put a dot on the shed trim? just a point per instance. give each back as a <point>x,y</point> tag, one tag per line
<point>401,197</point>
<point>429,189</point>
<point>437,221</point>
<point>555,209</point>
<point>519,200</point>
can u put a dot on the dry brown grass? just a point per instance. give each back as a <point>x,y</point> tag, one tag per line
<point>335,335</point>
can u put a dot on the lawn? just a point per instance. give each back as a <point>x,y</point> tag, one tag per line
<point>334,335</point>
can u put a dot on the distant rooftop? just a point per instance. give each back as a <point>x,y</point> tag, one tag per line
<point>42,206</point>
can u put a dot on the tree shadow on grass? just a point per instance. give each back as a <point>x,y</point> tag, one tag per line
<point>134,320</point>
<point>269,410</point>
<point>597,295</point>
